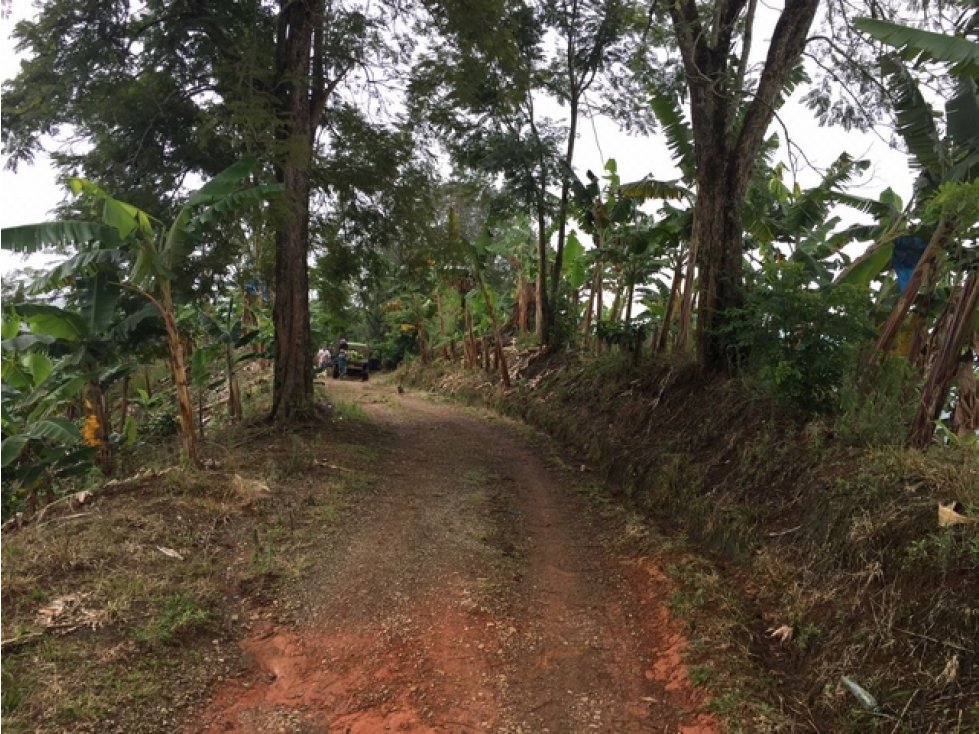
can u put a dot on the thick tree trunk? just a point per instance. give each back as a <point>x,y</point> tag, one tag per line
<point>292,386</point>
<point>718,229</point>
<point>727,138</point>
<point>525,297</point>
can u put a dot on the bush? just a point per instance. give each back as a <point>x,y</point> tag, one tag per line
<point>801,343</point>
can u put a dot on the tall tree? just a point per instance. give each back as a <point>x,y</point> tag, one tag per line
<point>163,90</point>
<point>729,117</point>
<point>594,35</point>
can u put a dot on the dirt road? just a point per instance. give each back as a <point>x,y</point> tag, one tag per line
<point>473,590</point>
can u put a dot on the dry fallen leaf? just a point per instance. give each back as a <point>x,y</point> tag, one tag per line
<point>949,515</point>
<point>66,614</point>
<point>951,672</point>
<point>169,552</point>
<point>782,634</point>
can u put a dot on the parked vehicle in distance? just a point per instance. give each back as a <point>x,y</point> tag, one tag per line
<point>357,362</point>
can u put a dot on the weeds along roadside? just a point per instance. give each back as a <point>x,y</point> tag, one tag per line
<point>119,611</point>
<point>821,555</point>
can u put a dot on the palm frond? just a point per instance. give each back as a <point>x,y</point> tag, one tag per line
<point>651,188</point>
<point>868,266</point>
<point>962,115</point>
<point>85,263</point>
<point>915,119</point>
<point>56,235</point>
<point>915,44</point>
<point>679,136</point>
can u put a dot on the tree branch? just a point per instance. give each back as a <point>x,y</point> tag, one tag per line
<point>788,42</point>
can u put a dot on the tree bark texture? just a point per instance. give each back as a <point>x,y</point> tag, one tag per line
<point>292,387</point>
<point>178,370</point>
<point>664,329</point>
<point>497,333</point>
<point>727,140</point>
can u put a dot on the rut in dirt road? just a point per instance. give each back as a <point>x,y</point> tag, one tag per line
<point>471,592</point>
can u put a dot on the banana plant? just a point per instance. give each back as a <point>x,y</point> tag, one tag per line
<point>145,254</point>
<point>477,253</point>
<point>606,213</point>
<point>948,200</point>
<point>226,335</point>
<point>40,446</point>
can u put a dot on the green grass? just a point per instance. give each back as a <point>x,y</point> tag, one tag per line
<point>350,411</point>
<point>180,617</point>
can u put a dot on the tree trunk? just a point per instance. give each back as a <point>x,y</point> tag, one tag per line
<point>965,417</point>
<point>563,207</point>
<point>178,370</point>
<point>946,363</point>
<point>201,407</point>
<point>664,331</point>
<point>234,391</point>
<point>497,333</point>
<point>124,405</point>
<point>292,386</point>
<point>97,426</point>
<point>542,314</point>
<point>441,315</point>
<point>525,295</point>
<point>718,228</point>
<point>687,304</point>
<point>727,138</point>
<point>469,342</point>
<point>422,342</point>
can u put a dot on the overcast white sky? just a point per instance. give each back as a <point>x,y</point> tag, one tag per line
<point>29,194</point>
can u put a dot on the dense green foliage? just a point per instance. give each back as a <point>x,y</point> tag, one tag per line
<point>442,214</point>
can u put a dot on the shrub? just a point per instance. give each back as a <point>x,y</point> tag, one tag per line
<point>800,342</point>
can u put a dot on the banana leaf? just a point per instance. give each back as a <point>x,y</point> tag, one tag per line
<point>868,266</point>
<point>56,235</point>
<point>919,45</point>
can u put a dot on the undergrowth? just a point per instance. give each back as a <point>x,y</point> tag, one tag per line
<point>122,606</point>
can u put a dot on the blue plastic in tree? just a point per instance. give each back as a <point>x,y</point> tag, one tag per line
<point>907,251</point>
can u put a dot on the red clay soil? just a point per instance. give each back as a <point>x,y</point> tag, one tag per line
<point>472,591</point>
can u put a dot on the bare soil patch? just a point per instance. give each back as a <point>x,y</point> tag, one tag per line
<point>470,589</point>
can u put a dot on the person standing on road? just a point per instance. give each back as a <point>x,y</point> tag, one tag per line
<point>342,358</point>
<point>323,359</point>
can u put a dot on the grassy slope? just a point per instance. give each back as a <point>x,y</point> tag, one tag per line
<point>139,634</point>
<point>836,544</point>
